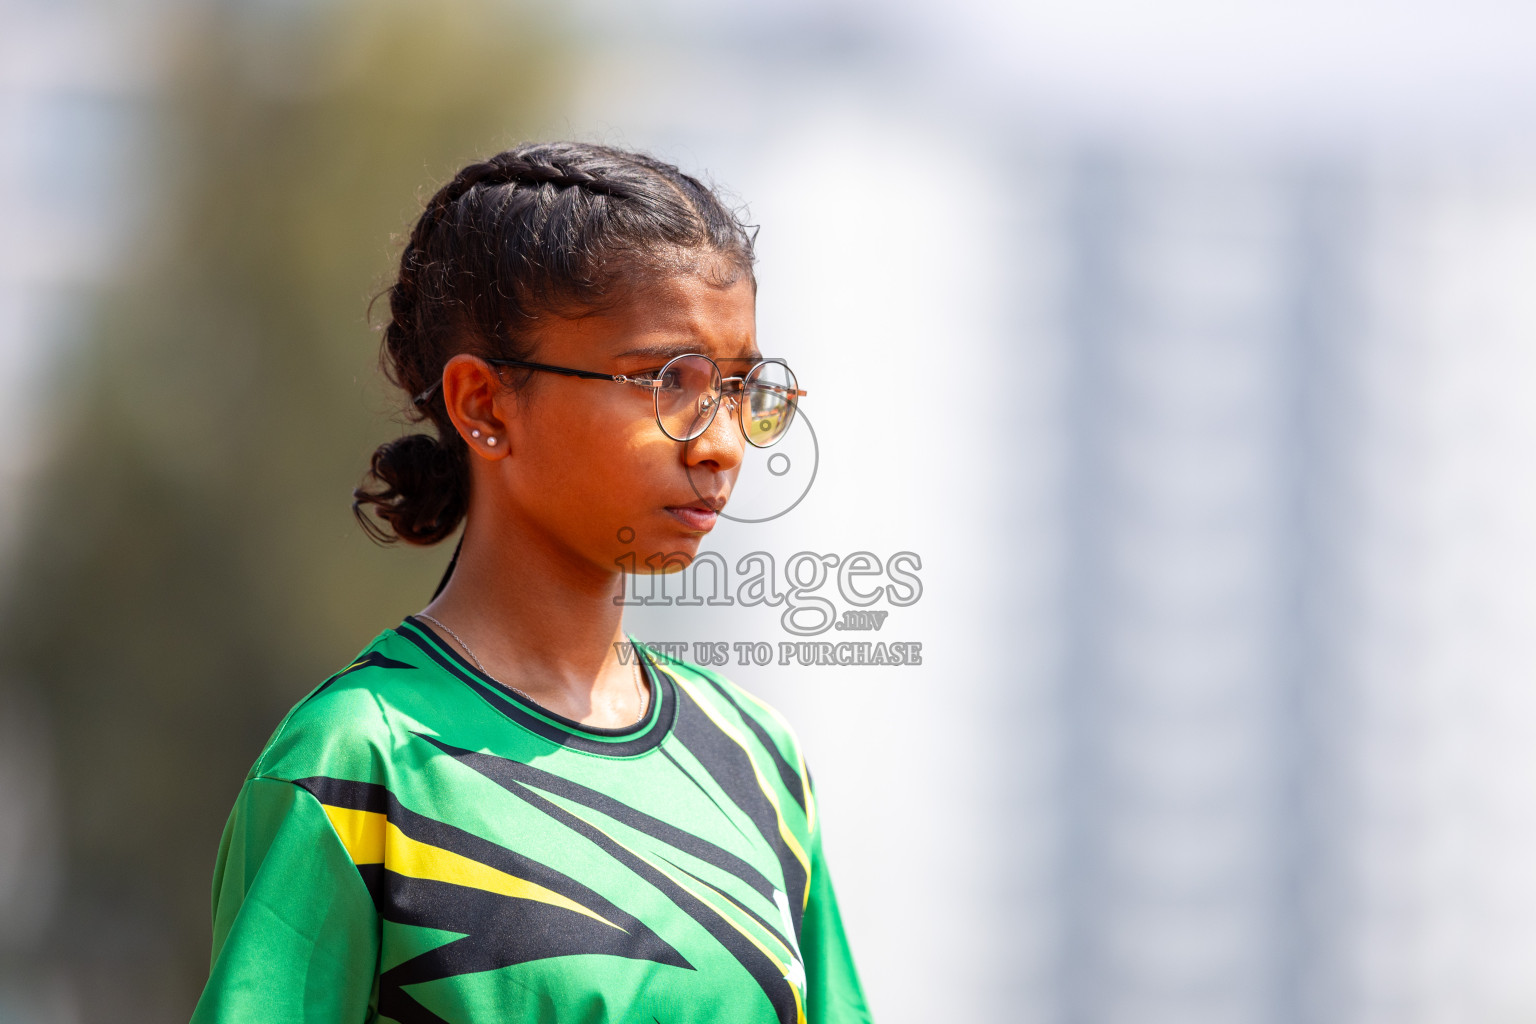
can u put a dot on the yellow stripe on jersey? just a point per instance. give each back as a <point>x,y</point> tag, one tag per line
<point>371,838</point>
<point>361,832</point>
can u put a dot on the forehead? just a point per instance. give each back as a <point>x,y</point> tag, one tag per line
<point>664,318</point>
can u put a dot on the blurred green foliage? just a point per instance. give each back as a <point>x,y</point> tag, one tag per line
<point>190,567</point>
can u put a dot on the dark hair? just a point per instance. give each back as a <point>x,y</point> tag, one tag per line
<point>556,228</point>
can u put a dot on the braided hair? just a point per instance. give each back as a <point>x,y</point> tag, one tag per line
<point>558,228</point>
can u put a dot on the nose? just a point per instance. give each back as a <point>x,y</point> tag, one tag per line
<point>722,445</point>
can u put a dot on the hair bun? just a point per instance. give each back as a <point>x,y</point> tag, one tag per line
<point>423,492</point>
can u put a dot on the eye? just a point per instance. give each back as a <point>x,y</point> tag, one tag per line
<point>654,373</point>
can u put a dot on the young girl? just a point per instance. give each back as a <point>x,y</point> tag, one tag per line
<point>500,811</point>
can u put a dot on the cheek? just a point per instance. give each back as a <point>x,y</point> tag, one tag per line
<point>595,464</point>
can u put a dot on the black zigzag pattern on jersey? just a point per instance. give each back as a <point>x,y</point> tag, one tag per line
<point>787,773</point>
<point>731,768</point>
<point>497,930</point>
<point>685,773</point>
<point>373,659</point>
<point>757,963</point>
<point>502,770</point>
<point>771,929</point>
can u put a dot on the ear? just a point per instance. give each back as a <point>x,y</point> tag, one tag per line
<point>470,389</point>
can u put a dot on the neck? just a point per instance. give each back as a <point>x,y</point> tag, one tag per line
<point>540,619</point>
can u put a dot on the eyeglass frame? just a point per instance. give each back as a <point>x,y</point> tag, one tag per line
<point>654,385</point>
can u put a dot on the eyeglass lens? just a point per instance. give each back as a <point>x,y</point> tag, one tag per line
<point>685,403</point>
<point>689,397</point>
<point>770,404</point>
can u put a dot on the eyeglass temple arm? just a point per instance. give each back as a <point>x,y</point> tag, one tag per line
<point>618,378</point>
<point>642,382</point>
<point>564,371</point>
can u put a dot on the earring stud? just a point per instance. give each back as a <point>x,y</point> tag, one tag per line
<point>474,433</point>
<point>491,441</point>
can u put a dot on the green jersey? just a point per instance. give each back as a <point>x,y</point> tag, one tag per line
<point>418,843</point>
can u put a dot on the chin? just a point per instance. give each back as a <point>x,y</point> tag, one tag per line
<point>674,556</point>
<point>659,552</point>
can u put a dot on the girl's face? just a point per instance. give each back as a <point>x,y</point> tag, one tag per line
<point>584,465</point>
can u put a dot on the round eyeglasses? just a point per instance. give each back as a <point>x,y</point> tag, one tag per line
<point>688,390</point>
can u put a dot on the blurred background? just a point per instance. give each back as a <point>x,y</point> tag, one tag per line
<point>1211,331</point>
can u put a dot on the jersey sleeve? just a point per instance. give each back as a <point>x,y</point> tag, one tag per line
<point>833,992</point>
<point>295,932</point>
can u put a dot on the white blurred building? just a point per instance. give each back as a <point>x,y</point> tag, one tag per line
<point>1299,782</point>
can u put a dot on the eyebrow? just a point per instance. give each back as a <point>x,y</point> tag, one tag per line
<point>665,352</point>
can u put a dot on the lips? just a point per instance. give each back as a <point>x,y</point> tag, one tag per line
<point>697,516</point>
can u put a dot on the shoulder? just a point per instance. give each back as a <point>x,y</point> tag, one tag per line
<point>340,726</point>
